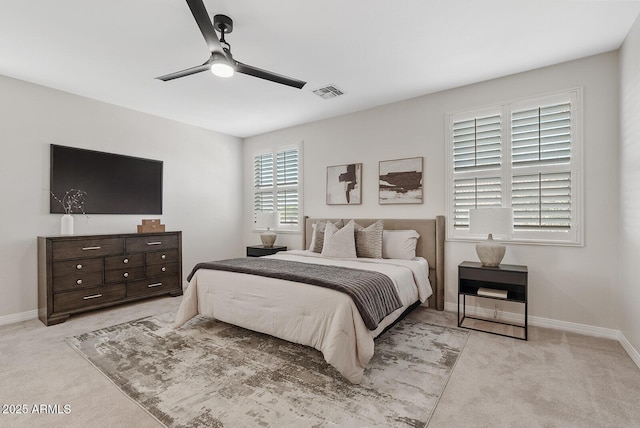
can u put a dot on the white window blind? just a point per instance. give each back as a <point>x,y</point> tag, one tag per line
<point>541,140</point>
<point>475,192</point>
<point>276,184</point>
<point>525,155</point>
<point>541,201</point>
<point>477,143</point>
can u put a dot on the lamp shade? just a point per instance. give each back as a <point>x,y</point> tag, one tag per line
<point>497,221</point>
<point>266,220</point>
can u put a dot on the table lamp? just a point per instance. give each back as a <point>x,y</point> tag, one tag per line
<point>266,220</point>
<point>490,221</point>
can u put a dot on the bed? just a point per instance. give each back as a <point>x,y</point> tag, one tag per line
<point>325,319</point>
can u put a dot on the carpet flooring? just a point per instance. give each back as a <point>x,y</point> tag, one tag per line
<point>212,374</point>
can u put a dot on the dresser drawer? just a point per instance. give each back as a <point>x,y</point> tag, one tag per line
<point>159,257</point>
<point>121,262</point>
<point>76,267</point>
<point>87,247</point>
<point>81,280</point>
<point>81,299</point>
<point>151,243</point>
<point>152,286</point>
<point>126,274</point>
<point>162,269</point>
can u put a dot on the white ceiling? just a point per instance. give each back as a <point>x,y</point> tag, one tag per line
<point>376,51</point>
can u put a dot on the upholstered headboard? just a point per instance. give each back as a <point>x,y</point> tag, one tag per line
<point>430,246</point>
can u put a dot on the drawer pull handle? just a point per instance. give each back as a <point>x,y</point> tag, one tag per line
<point>126,274</point>
<point>157,284</point>
<point>90,248</point>
<point>164,269</point>
<point>125,261</point>
<point>95,296</point>
<point>164,256</point>
<point>155,243</point>
<point>79,282</point>
<point>78,266</point>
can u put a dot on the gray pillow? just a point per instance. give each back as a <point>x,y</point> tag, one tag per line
<point>318,235</point>
<point>369,240</point>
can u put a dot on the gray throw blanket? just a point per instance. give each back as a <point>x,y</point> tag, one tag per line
<point>373,293</point>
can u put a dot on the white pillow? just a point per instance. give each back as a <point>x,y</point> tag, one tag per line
<point>317,239</point>
<point>339,243</point>
<point>399,244</point>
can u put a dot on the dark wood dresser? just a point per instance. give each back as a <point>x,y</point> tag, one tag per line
<point>82,273</point>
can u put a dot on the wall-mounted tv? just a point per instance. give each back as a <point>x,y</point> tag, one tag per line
<point>114,184</point>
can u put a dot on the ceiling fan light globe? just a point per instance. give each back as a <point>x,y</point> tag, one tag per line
<point>222,69</point>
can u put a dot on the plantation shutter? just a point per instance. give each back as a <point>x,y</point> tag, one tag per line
<point>471,193</point>
<point>477,158</point>
<point>541,201</point>
<point>476,143</point>
<point>263,182</point>
<point>288,167</point>
<point>526,155</point>
<point>541,189</point>
<point>541,136</point>
<point>276,181</point>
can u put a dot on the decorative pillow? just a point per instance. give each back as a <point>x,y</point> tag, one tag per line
<point>317,239</point>
<point>399,244</point>
<point>339,243</point>
<point>369,240</point>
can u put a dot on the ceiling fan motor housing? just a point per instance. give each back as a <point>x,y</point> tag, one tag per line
<point>223,24</point>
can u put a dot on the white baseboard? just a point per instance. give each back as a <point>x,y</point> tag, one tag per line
<point>633,353</point>
<point>23,316</point>
<point>585,329</point>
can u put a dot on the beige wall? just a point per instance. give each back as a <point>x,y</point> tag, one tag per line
<point>202,180</point>
<point>568,284</point>
<point>630,186</point>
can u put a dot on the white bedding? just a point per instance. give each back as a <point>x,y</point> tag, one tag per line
<point>325,319</point>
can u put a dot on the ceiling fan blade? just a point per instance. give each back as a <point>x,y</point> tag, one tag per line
<point>187,72</point>
<point>268,75</point>
<point>206,26</point>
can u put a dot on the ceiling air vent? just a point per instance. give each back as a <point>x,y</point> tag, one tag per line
<point>329,91</point>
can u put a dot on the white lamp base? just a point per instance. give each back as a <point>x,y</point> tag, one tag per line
<point>268,238</point>
<point>490,253</point>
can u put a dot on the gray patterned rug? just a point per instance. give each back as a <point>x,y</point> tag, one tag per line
<point>211,374</point>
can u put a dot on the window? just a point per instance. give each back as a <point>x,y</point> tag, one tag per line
<point>277,185</point>
<point>525,155</point>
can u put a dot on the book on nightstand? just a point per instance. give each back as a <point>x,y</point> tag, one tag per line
<point>490,292</point>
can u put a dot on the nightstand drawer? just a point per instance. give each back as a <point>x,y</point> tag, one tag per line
<point>493,275</point>
<point>90,297</point>
<point>260,250</point>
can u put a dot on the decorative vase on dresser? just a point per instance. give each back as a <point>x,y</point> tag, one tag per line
<point>66,224</point>
<point>82,273</point>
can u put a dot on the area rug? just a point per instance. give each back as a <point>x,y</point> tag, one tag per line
<point>211,374</point>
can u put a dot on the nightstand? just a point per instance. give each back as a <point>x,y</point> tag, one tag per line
<point>505,282</point>
<point>261,250</point>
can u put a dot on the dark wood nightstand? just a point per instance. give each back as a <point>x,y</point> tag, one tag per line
<point>261,250</point>
<point>505,282</point>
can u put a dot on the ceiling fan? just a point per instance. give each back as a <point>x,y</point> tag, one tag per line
<point>221,62</point>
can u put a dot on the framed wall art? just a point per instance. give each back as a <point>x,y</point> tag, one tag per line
<point>400,181</point>
<point>344,184</point>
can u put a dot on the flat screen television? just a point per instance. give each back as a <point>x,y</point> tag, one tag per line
<point>114,184</point>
